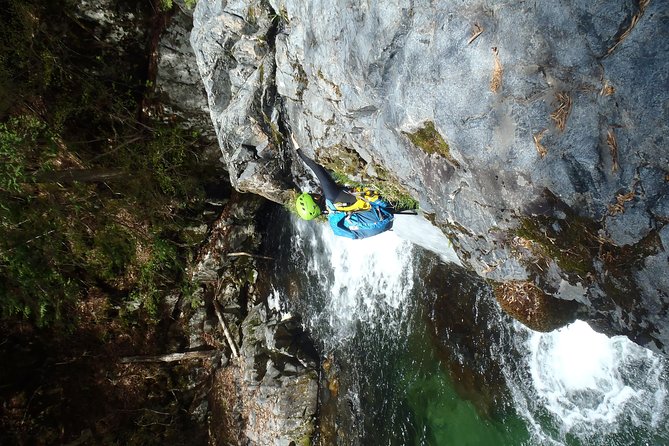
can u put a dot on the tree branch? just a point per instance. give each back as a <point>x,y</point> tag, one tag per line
<point>246,254</point>
<point>170,357</point>
<point>231,341</point>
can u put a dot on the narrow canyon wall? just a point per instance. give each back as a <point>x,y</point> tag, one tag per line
<point>533,134</point>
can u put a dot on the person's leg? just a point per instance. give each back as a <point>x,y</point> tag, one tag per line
<point>331,190</point>
<point>345,197</point>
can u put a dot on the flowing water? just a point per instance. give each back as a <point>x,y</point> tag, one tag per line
<point>418,353</point>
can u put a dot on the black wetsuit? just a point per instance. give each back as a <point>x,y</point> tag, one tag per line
<point>332,191</point>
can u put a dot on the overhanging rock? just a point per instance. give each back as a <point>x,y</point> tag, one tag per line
<point>534,133</point>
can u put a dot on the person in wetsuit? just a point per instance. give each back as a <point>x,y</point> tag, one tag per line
<point>307,206</point>
<point>348,215</point>
<point>331,190</point>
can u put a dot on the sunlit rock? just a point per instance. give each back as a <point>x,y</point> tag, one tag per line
<point>552,114</point>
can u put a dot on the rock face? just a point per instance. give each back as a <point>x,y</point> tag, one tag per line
<point>177,77</point>
<point>232,44</point>
<point>279,381</point>
<point>172,68</point>
<point>534,133</point>
<point>267,392</point>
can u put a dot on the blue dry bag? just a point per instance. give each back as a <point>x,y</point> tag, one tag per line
<point>361,224</point>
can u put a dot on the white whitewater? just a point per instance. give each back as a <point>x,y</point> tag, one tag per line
<point>419,231</point>
<point>365,280</point>
<point>590,384</point>
<point>572,386</point>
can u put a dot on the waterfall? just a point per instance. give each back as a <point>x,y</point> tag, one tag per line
<point>364,303</point>
<point>362,281</point>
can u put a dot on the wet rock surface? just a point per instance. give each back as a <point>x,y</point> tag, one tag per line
<point>265,391</point>
<point>460,328</point>
<point>554,119</point>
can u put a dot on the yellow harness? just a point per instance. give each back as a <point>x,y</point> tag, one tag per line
<point>364,196</point>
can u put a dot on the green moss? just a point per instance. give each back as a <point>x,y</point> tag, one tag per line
<point>168,5</point>
<point>430,141</point>
<point>113,251</point>
<point>273,129</point>
<point>350,169</point>
<point>571,243</point>
<point>251,15</point>
<point>619,262</point>
<point>578,245</point>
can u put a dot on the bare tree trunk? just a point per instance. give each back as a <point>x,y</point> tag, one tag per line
<point>246,254</point>
<point>231,341</point>
<point>170,357</point>
<point>80,175</point>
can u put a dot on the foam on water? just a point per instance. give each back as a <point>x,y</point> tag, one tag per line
<point>571,387</point>
<point>590,384</point>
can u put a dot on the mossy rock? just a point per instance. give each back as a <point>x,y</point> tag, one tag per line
<point>526,303</point>
<point>571,243</point>
<point>430,141</point>
<point>345,163</point>
<point>352,170</point>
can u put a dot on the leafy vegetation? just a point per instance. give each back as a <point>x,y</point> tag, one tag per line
<point>99,191</point>
<point>93,193</point>
<point>167,5</point>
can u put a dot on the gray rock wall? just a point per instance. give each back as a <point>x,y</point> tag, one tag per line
<point>266,394</point>
<point>177,76</point>
<point>232,43</point>
<point>555,115</point>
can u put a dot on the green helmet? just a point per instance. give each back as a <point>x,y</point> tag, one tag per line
<point>307,207</point>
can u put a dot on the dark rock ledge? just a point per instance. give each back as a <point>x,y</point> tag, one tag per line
<point>265,391</point>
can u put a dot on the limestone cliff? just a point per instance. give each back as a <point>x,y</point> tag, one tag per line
<point>534,133</point>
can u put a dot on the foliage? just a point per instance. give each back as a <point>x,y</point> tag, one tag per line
<point>167,5</point>
<point>18,137</point>
<point>71,103</point>
<point>97,199</point>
